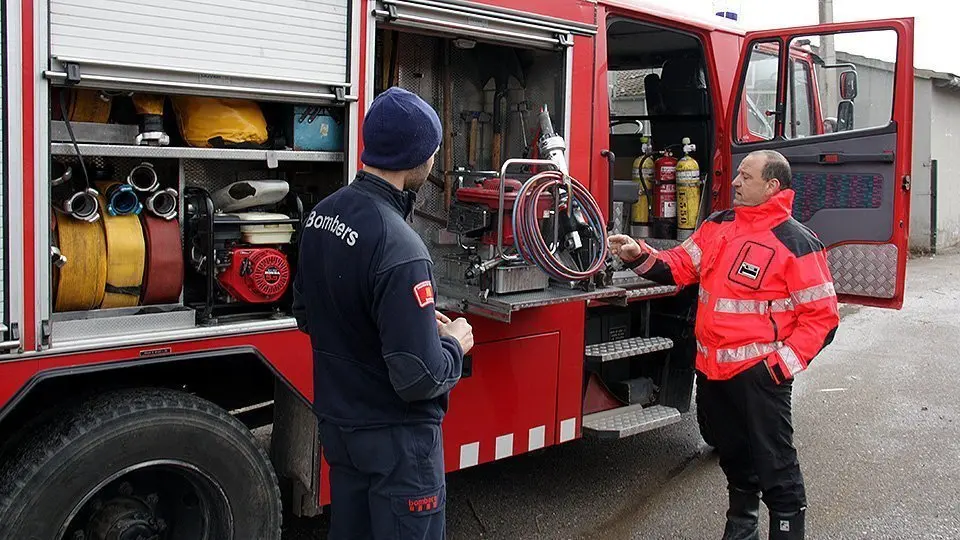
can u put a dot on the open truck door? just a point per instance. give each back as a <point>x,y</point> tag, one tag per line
<point>849,145</point>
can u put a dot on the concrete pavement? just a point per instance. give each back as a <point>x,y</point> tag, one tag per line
<point>877,421</point>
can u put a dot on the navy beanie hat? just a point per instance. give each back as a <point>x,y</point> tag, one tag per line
<point>400,131</point>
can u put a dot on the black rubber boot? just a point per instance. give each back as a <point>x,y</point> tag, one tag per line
<point>743,515</point>
<point>787,526</point>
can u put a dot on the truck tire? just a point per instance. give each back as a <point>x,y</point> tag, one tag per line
<point>140,463</point>
<point>706,433</point>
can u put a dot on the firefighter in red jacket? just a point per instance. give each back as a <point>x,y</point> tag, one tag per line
<point>767,307</point>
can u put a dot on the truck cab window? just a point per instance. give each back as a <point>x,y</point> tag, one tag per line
<point>760,94</point>
<point>801,119</point>
<point>845,91</point>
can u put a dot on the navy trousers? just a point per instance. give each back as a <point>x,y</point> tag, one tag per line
<point>386,483</point>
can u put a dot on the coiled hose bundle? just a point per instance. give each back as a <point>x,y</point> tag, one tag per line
<point>528,236</point>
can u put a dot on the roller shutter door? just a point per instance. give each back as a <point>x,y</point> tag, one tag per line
<point>279,46</point>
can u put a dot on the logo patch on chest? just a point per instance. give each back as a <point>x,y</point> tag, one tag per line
<point>423,292</point>
<point>751,265</point>
<point>750,271</point>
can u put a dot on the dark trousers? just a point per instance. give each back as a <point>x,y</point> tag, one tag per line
<point>749,418</point>
<point>385,483</point>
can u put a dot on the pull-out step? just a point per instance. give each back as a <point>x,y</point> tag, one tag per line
<point>625,348</point>
<point>626,421</point>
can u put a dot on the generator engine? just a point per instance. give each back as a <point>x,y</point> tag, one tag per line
<point>244,254</point>
<point>474,212</point>
<point>256,275</point>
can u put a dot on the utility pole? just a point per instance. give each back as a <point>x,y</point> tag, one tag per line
<point>829,55</point>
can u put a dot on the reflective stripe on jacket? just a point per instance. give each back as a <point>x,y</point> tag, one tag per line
<point>766,292</point>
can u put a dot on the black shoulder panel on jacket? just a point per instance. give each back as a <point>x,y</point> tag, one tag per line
<point>797,238</point>
<point>721,216</point>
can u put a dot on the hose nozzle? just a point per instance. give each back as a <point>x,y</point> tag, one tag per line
<point>163,204</point>
<point>122,200</point>
<point>144,178</point>
<point>552,145</point>
<point>83,205</point>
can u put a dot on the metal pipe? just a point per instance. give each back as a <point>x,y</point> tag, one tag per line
<point>934,169</point>
<point>194,86</point>
<point>7,345</point>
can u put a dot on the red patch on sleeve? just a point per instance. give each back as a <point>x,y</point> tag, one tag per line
<point>423,291</point>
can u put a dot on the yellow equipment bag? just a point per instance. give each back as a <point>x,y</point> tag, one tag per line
<point>87,106</point>
<point>148,104</point>
<point>219,122</point>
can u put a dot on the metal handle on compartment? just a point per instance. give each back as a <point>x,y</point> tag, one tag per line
<point>160,83</point>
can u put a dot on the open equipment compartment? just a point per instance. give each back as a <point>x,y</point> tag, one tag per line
<point>640,347</point>
<point>225,248</point>
<point>658,90</point>
<point>493,95</point>
<point>661,132</point>
<point>242,116</point>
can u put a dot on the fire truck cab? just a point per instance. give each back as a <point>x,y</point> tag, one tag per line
<point>160,160</point>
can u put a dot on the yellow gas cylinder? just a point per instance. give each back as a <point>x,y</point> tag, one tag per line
<point>688,192</point>
<point>643,168</point>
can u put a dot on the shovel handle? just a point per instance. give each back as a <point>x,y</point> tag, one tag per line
<point>474,135</point>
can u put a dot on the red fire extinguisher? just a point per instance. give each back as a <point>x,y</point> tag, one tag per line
<point>665,197</point>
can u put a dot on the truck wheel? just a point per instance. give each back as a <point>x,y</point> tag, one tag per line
<point>706,431</point>
<point>145,463</point>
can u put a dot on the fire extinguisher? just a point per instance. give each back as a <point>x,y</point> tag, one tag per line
<point>688,192</point>
<point>643,168</point>
<point>665,197</point>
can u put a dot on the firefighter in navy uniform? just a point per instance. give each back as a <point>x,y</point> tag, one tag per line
<point>767,306</point>
<point>384,359</point>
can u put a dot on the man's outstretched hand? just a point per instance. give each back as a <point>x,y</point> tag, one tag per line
<point>625,247</point>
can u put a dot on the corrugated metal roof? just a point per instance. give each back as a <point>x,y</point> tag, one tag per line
<point>629,84</point>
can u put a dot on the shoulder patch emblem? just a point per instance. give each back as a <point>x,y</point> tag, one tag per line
<point>423,292</point>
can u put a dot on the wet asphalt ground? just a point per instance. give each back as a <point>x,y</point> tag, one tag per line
<point>877,421</point>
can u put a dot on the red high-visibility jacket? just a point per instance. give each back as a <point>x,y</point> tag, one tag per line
<point>765,290</point>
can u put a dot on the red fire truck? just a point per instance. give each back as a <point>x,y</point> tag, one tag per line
<point>160,159</point>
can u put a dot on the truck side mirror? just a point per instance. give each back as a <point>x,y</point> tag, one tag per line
<point>845,115</point>
<point>848,85</point>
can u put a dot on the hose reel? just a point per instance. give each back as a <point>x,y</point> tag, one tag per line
<point>575,213</point>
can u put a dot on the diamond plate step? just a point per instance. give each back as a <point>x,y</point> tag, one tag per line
<point>624,348</point>
<point>626,421</point>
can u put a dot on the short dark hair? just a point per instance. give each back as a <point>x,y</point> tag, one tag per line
<point>776,166</point>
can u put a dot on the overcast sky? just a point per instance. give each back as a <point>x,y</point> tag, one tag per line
<point>935,30</point>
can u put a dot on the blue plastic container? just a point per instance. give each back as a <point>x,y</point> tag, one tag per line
<point>317,129</point>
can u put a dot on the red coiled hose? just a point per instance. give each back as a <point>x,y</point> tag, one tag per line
<point>528,237</point>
